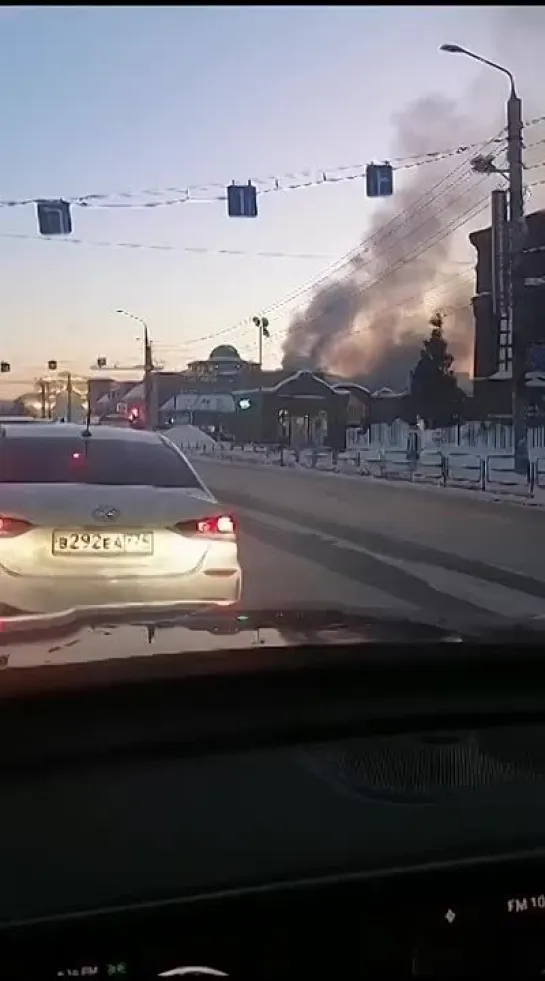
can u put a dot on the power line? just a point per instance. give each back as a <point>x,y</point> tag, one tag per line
<point>438,288</point>
<point>273,184</point>
<point>243,327</point>
<point>448,230</point>
<point>423,247</point>
<point>197,250</point>
<point>383,233</point>
<point>453,226</point>
<point>418,252</point>
<point>426,198</point>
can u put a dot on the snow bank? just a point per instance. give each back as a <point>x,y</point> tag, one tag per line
<point>190,437</point>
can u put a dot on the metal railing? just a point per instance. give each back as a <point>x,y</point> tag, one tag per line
<point>493,473</point>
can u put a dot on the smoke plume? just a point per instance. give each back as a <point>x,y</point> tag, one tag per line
<point>371,320</point>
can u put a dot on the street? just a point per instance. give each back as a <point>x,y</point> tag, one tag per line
<point>375,546</point>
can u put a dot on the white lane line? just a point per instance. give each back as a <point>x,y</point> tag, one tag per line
<point>489,596</point>
<point>275,578</point>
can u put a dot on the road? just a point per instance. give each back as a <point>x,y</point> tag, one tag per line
<point>373,545</point>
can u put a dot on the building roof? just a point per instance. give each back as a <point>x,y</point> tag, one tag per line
<point>188,402</point>
<point>224,352</point>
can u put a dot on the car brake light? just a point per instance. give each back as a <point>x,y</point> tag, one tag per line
<point>218,526</point>
<point>11,527</point>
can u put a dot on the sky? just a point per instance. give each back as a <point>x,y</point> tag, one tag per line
<point>139,103</point>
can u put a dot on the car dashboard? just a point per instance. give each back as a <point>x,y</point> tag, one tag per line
<point>276,826</point>
<point>479,919</point>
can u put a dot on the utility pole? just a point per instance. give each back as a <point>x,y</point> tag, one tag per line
<point>44,400</point>
<point>518,335</point>
<point>149,383</point>
<point>150,399</point>
<point>517,298</point>
<point>69,392</point>
<point>262,325</point>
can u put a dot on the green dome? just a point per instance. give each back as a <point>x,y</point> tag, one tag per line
<point>224,352</point>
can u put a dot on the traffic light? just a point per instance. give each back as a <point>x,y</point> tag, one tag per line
<point>52,365</point>
<point>242,200</point>
<point>5,367</point>
<point>102,362</point>
<point>379,180</point>
<point>54,217</point>
<point>263,325</point>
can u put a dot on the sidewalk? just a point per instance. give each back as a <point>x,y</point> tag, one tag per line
<point>466,475</point>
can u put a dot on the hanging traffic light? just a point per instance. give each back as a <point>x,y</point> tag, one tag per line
<point>379,180</point>
<point>242,200</point>
<point>54,217</point>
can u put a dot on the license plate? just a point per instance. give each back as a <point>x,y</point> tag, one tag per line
<point>102,543</point>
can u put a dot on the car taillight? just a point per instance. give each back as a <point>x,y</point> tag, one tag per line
<point>217,527</point>
<point>11,527</point>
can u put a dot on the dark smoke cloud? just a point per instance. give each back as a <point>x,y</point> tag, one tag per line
<point>371,322</point>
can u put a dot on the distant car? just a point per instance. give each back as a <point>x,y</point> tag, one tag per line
<point>120,422</point>
<point>117,518</point>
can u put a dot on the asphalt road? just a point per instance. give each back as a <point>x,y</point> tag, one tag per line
<point>372,545</point>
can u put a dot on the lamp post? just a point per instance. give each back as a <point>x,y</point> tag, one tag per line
<point>516,272</point>
<point>148,367</point>
<point>262,325</point>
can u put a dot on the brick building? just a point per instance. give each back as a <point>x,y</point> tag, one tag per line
<point>493,396</point>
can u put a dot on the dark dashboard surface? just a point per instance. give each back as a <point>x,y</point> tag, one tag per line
<point>479,920</point>
<point>154,852</point>
<point>109,834</point>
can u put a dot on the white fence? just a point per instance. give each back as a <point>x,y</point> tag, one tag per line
<point>493,472</point>
<point>472,456</point>
<point>483,438</point>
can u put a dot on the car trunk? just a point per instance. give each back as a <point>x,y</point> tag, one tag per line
<point>145,516</point>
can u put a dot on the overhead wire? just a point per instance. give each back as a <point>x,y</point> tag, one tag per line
<point>418,252</point>
<point>344,262</point>
<point>391,227</point>
<point>469,215</point>
<point>300,180</point>
<point>448,230</point>
<point>158,247</point>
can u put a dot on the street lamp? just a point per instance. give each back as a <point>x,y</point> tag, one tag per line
<point>516,273</point>
<point>457,49</point>
<point>149,387</point>
<point>262,325</point>
<point>132,316</point>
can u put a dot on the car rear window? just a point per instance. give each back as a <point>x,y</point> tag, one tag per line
<point>93,461</point>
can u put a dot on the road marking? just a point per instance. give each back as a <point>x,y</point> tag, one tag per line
<point>489,596</point>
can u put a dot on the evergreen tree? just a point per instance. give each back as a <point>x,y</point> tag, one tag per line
<point>434,391</point>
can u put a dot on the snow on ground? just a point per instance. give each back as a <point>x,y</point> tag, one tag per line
<point>190,437</point>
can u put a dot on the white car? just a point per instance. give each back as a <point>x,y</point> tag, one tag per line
<point>108,518</point>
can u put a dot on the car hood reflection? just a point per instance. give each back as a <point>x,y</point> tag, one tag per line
<point>26,643</point>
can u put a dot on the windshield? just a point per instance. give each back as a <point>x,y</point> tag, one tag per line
<point>273,308</point>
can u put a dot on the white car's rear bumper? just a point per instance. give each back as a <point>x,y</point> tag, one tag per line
<point>49,595</point>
